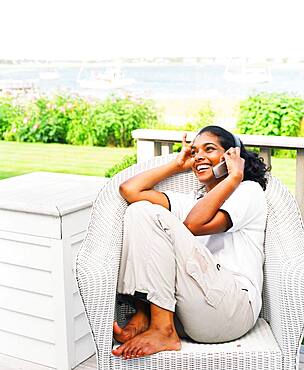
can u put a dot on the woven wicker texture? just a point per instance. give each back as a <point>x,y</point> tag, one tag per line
<point>283,295</point>
<point>256,350</point>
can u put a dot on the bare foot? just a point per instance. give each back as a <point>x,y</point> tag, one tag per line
<point>138,324</point>
<point>151,341</point>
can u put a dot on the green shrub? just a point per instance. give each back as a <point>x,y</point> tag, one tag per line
<point>271,114</point>
<point>123,115</point>
<point>111,122</point>
<point>75,120</point>
<point>82,126</point>
<point>11,115</point>
<point>177,147</point>
<point>44,120</point>
<point>127,161</point>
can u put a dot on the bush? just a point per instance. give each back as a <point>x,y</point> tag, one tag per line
<point>75,120</point>
<point>271,114</point>
<point>11,115</point>
<point>127,161</point>
<point>44,120</point>
<point>82,127</point>
<point>120,116</point>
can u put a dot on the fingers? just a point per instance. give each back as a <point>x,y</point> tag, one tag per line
<point>184,140</point>
<point>233,151</point>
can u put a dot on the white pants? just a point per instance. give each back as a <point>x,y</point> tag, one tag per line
<point>163,259</point>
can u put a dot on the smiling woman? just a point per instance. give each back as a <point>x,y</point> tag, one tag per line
<point>254,165</point>
<point>195,259</point>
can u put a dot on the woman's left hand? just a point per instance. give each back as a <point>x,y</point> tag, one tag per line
<point>184,158</point>
<point>235,164</point>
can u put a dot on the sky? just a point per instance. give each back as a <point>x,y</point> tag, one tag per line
<point>101,29</point>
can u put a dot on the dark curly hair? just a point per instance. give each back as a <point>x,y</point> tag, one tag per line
<point>255,168</point>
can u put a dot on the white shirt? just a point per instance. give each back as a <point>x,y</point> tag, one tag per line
<point>239,249</point>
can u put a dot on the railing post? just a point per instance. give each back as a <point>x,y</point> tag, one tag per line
<point>300,180</point>
<point>265,153</point>
<point>147,149</point>
<point>166,148</point>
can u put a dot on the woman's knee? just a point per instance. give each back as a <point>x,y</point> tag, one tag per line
<point>138,209</point>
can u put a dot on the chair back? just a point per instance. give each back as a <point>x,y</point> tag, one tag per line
<point>284,240</point>
<point>284,229</point>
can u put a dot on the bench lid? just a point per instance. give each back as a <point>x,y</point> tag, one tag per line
<point>47,193</point>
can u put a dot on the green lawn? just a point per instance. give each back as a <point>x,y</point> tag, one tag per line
<point>285,170</point>
<point>20,158</point>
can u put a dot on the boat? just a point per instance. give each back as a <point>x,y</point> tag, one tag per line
<point>111,79</point>
<point>244,71</point>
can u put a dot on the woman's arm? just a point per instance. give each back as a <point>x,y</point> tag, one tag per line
<point>206,217</point>
<point>140,187</point>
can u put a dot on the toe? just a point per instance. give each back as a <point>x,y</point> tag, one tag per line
<point>133,351</point>
<point>139,353</point>
<point>119,350</point>
<point>116,328</point>
<point>126,354</point>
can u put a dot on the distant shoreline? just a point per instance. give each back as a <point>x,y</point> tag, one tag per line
<point>179,89</point>
<point>54,64</point>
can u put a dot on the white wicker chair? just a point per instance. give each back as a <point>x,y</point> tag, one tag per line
<point>272,344</point>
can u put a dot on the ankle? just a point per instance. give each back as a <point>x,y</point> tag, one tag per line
<point>166,329</point>
<point>141,315</point>
<point>142,307</point>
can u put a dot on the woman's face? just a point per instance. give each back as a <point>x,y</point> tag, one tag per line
<point>207,152</point>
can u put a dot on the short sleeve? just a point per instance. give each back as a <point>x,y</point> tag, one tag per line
<point>181,203</point>
<point>246,207</point>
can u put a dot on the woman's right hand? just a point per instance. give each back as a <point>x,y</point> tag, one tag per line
<point>184,159</point>
<point>235,163</point>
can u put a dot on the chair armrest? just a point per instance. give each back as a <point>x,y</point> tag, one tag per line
<point>97,267</point>
<point>283,292</point>
<point>284,295</point>
<point>98,259</point>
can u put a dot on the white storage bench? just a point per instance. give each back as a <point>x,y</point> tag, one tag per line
<point>43,220</point>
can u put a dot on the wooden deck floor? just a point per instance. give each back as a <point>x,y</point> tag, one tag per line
<point>10,363</point>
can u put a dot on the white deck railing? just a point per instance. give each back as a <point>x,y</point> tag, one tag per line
<point>160,142</point>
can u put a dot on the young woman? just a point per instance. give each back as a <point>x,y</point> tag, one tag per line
<point>196,258</point>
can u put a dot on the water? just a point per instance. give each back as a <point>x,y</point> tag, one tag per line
<point>164,81</point>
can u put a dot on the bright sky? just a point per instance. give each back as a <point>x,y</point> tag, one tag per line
<point>85,29</point>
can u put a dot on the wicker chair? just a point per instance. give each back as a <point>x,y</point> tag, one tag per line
<point>272,344</point>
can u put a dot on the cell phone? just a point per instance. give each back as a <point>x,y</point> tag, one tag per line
<point>220,170</point>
